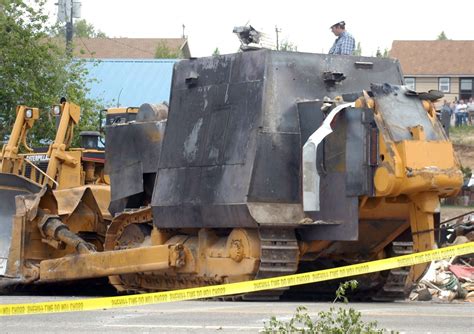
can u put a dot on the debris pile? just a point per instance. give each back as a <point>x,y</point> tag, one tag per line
<point>447,280</point>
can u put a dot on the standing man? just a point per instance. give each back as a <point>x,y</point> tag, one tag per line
<point>445,116</point>
<point>460,112</point>
<point>470,111</point>
<point>345,43</point>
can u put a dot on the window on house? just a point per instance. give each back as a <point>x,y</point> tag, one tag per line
<point>444,85</point>
<point>466,84</point>
<point>466,90</point>
<point>410,83</point>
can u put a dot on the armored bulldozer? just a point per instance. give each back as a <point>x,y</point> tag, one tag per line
<point>268,163</point>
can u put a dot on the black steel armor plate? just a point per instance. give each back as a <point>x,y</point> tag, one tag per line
<point>231,154</point>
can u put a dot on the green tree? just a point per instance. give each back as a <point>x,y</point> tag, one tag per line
<point>164,52</point>
<point>442,37</point>
<point>36,72</point>
<point>379,53</point>
<point>216,52</point>
<point>358,50</point>
<point>288,46</point>
<point>84,29</point>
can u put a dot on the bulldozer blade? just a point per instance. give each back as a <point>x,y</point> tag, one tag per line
<point>10,186</point>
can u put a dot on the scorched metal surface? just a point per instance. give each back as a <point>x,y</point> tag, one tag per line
<point>231,154</point>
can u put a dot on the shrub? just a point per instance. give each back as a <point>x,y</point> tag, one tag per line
<point>335,321</point>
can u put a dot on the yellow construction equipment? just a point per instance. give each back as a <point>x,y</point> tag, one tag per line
<point>271,163</point>
<point>75,176</point>
<point>11,159</point>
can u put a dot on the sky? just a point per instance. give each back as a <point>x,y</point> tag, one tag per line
<point>209,23</point>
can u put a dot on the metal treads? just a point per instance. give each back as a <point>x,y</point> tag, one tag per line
<point>279,256</point>
<point>395,287</point>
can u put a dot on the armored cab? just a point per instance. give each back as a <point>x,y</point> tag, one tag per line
<point>231,154</point>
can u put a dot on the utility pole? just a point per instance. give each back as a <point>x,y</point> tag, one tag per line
<point>69,28</point>
<point>184,36</point>
<point>277,31</point>
<point>68,10</point>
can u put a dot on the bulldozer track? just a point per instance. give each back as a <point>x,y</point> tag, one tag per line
<point>278,250</point>
<point>279,256</point>
<point>395,286</point>
<point>121,221</point>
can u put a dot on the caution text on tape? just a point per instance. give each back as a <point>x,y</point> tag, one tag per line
<point>236,288</point>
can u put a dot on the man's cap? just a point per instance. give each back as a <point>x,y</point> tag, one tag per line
<point>341,24</point>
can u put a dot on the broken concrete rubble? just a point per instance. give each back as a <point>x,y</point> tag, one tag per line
<point>450,279</point>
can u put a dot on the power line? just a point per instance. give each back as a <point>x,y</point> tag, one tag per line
<point>130,46</point>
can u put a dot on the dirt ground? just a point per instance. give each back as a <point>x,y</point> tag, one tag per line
<point>448,212</point>
<point>463,141</point>
<point>465,154</point>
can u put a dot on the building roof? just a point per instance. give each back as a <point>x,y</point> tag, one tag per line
<point>436,58</point>
<point>125,48</point>
<point>130,82</point>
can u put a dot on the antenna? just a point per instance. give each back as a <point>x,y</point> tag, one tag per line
<point>118,98</point>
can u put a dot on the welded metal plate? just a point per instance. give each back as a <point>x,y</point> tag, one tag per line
<point>127,181</point>
<point>240,110</point>
<point>339,215</point>
<point>132,154</point>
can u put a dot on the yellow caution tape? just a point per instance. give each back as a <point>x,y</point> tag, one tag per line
<point>236,288</point>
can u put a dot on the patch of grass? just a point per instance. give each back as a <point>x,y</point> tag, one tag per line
<point>462,135</point>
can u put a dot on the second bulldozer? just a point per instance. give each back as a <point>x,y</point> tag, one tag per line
<point>81,189</point>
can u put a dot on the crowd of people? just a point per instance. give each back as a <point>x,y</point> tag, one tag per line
<point>460,112</point>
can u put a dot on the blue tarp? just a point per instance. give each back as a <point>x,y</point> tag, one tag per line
<point>130,82</point>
